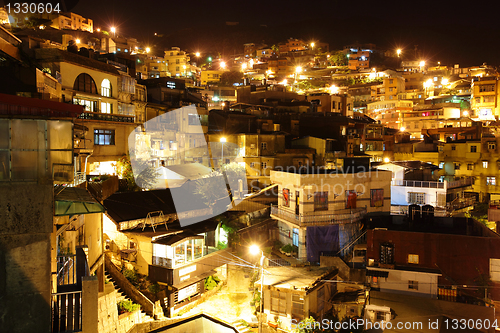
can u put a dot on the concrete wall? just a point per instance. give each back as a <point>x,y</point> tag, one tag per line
<point>397,282</point>
<point>25,257</point>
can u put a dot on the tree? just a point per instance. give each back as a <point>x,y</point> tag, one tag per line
<point>339,58</point>
<point>231,77</point>
<point>145,179</point>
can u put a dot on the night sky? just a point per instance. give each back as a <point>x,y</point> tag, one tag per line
<point>450,33</point>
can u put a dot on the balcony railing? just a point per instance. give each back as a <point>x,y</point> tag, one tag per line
<point>66,270</point>
<point>460,182</point>
<point>67,312</point>
<point>403,210</point>
<point>339,217</point>
<point>107,117</point>
<point>418,183</point>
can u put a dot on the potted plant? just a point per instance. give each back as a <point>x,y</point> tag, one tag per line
<point>287,249</point>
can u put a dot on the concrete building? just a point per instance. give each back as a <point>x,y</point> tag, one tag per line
<point>321,210</point>
<point>30,166</point>
<point>389,113</point>
<point>72,21</point>
<point>293,294</point>
<point>485,98</point>
<point>178,62</point>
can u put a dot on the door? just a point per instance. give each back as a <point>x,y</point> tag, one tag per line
<point>297,201</point>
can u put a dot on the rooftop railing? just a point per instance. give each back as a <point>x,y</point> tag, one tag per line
<point>339,217</point>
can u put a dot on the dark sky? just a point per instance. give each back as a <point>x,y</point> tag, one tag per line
<point>449,32</point>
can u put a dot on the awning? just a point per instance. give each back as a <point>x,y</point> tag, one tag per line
<point>176,239</point>
<point>370,272</point>
<point>74,201</point>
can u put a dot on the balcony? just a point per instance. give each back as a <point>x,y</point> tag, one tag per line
<point>460,182</point>
<point>107,117</point>
<point>304,220</point>
<point>418,183</point>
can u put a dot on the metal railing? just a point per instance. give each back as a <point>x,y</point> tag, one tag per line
<point>164,262</point>
<point>107,117</point>
<point>67,312</point>
<point>460,182</point>
<point>403,210</point>
<point>66,270</point>
<point>418,183</point>
<point>80,178</point>
<point>339,217</point>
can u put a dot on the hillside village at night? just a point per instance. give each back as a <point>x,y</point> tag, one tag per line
<point>281,187</point>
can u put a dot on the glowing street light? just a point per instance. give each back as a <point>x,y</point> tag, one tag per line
<point>445,81</point>
<point>387,160</point>
<point>254,250</point>
<point>298,69</point>
<point>334,89</point>
<point>222,64</point>
<point>77,40</point>
<point>244,66</point>
<point>398,51</point>
<point>312,45</point>
<point>197,54</point>
<point>113,30</point>
<point>148,49</point>
<point>422,63</point>
<point>402,129</point>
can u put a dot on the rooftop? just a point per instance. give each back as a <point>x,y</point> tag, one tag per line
<point>295,278</point>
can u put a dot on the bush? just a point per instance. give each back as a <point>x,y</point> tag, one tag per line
<point>154,288</point>
<point>132,276</point>
<point>287,248</point>
<point>211,282</point>
<point>127,306</point>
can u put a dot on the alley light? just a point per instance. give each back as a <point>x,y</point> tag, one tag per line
<point>98,29</point>
<point>113,29</point>
<point>429,83</point>
<point>334,89</point>
<point>387,160</point>
<point>148,49</point>
<point>398,51</point>
<point>77,40</point>
<point>465,113</point>
<point>197,54</point>
<point>402,129</point>
<point>422,63</point>
<point>222,64</point>
<point>312,45</point>
<point>243,66</point>
<point>298,69</point>
<point>445,81</point>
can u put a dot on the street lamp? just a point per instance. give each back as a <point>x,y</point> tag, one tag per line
<point>113,30</point>
<point>222,140</point>
<point>398,51</point>
<point>254,249</point>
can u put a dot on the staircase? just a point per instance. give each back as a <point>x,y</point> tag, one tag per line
<point>240,327</point>
<point>120,296</point>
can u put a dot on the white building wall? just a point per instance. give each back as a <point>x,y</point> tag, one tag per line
<point>397,282</point>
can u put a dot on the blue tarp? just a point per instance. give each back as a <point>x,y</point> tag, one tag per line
<point>321,239</point>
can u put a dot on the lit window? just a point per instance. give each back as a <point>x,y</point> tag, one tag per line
<point>485,164</point>
<point>106,88</point>
<point>106,107</point>
<point>104,137</point>
<point>413,258</point>
<point>263,145</point>
<point>491,181</point>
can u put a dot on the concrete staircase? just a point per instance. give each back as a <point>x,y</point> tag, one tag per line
<point>240,327</point>
<point>121,296</point>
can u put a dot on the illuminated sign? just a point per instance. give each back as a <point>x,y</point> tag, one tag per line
<point>171,84</point>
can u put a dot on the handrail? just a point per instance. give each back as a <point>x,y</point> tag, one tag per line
<point>310,219</point>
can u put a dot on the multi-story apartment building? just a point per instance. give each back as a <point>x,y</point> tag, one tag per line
<point>291,45</point>
<point>389,113</point>
<point>321,210</point>
<point>485,98</point>
<point>477,159</point>
<point>95,86</point>
<point>178,61</point>
<point>359,59</point>
<point>324,102</point>
<point>389,89</point>
<point>72,21</point>
<point>156,67</point>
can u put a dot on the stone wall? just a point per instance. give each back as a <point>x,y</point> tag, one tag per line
<point>108,313</point>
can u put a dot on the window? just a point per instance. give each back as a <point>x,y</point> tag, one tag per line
<point>478,99</point>
<point>320,201</point>
<point>295,238</point>
<point>413,258</point>
<point>470,166</point>
<point>106,88</point>
<point>491,181</point>
<point>263,145</point>
<point>106,107</point>
<point>453,147</point>
<point>264,165</point>
<point>90,106</point>
<point>413,285</point>
<point>492,145</point>
<point>85,83</point>
<point>457,166</point>
<point>488,99</point>
<point>473,149</point>
<point>487,88</point>
<point>485,164</point>
<point>104,137</point>
<point>278,303</point>
<point>495,269</point>
<point>377,198</point>
<point>416,198</point>
<point>286,197</point>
